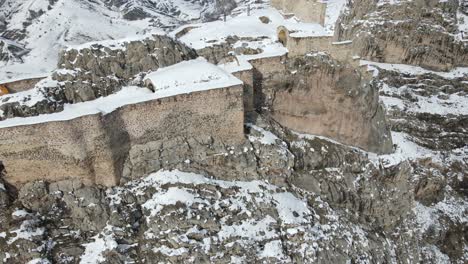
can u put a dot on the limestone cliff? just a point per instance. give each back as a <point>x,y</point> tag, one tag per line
<point>201,184</point>
<point>421,33</point>
<point>315,94</point>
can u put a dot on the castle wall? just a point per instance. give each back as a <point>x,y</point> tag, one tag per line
<point>341,51</point>
<point>93,148</point>
<point>247,77</point>
<point>309,11</point>
<point>267,74</point>
<point>22,85</point>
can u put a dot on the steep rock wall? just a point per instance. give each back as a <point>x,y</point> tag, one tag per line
<point>317,95</point>
<point>421,33</point>
<point>93,148</point>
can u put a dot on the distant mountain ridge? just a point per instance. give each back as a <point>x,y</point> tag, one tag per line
<point>33,31</point>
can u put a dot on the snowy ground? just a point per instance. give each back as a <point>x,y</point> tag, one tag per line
<point>439,104</point>
<point>413,70</point>
<point>68,23</point>
<point>334,9</point>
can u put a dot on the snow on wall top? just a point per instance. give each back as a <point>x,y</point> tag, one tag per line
<point>268,47</point>
<point>183,78</point>
<point>193,75</point>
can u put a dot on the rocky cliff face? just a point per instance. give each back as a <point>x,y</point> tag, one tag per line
<point>309,219</point>
<point>442,128</point>
<point>421,33</point>
<point>316,94</point>
<point>278,196</point>
<point>427,112</point>
<point>86,73</point>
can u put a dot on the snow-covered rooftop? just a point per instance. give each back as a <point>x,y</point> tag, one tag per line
<point>193,75</point>
<point>182,78</point>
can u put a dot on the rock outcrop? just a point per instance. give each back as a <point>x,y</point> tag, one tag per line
<point>428,116</point>
<point>100,69</point>
<point>411,32</point>
<point>96,70</point>
<point>186,217</point>
<point>443,127</point>
<point>315,94</point>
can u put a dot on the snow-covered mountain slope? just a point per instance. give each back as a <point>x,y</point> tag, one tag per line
<point>33,31</point>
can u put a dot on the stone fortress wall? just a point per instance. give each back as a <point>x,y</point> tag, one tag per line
<point>93,148</point>
<point>246,76</point>
<point>298,46</point>
<point>21,85</point>
<point>309,11</point>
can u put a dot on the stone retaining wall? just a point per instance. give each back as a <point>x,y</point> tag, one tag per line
<point>299,46</point>
<point>93,148</point>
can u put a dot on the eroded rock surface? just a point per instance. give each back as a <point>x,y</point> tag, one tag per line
<point>186,217</point>
<point>96,70</point>
<point>317,95</point>
<point>421,33</point>
<point>427,113</point>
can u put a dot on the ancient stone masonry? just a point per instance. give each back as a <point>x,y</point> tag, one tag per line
<point>93,148</point>
<point>305,90</point>
<point>309,11</point>
<point>256,152</point>
<point>96,70</point>
<point>299,45</point>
